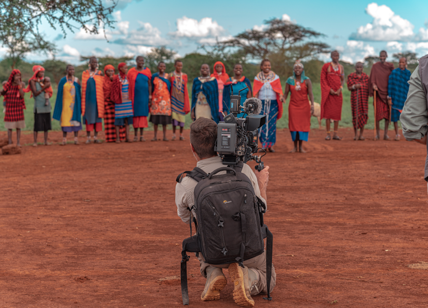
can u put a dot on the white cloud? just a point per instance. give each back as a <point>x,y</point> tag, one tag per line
<point>396,46</point>
<point>145,35</point>
<point>386,26</point>
<point>353,51</point>
<point>420,48</point>
<point>423,34</point>
<point>191,28</point>
<point>285,17</point>
<point>83,35</point>
<point>68,50</point>
<point>213,40</point>
<point>99,52</point>
<point>132,51</point>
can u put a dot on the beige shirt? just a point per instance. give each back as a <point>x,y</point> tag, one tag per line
<point>184,191</point>
<point>414,118</point>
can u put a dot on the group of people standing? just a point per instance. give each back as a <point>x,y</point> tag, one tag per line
<point>387,86</point>
<point>125,97</point>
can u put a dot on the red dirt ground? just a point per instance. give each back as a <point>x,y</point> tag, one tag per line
<point>96,225</point>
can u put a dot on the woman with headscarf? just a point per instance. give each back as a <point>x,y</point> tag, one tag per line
<point>299,110</point>
<point>109,106</point>
<point>160,109</point>
<point>140,93</point>
<point>124,113</point>
<point>40,87</point>
<point>68,108</point>
<point>13,92</point>
<point>205,96</point>
<point>236,85</point>
<point>219,73</point>
<point>267,87</point>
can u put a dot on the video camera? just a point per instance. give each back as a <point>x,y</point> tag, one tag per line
<point>237,138</point>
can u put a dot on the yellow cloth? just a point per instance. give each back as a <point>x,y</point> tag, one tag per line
<point>67,104</point>
<point>178,117</point>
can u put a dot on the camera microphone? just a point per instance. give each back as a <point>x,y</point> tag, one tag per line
<point>253,106</point>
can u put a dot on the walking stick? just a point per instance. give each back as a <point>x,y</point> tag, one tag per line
<point>390,109</point>
<point>356,120</point>
<point>374,105</point>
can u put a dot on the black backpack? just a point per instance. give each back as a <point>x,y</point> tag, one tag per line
<point>230,224</point>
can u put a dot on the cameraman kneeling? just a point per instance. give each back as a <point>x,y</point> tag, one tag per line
<point>250,280</point>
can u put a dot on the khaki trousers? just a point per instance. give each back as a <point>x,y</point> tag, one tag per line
<point>258,264</point>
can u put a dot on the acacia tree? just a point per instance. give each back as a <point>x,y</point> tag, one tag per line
<point>281,41</point>
<point>20,21</point>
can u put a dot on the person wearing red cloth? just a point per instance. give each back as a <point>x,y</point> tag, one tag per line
<point>221,76</point>
<point>13,92</point>
<point>299,110</point>
<point>140,93</point>
<point>378,82</point>
<point>109,106</point>
<point>332,77</point>
<point>358,84</point>
<point>267,87</point>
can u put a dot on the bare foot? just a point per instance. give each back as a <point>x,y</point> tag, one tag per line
<point>386,137</point>
<point>293,150</point>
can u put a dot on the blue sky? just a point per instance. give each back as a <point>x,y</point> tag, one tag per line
<point>357,29</point>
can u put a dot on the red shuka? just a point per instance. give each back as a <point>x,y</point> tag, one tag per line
<point>331,105</point>
<point>299,110</point>
<point>276,86</point>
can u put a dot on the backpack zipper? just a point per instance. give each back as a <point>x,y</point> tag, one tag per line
<point>221,226</point>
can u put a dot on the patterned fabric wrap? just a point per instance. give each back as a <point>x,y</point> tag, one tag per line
<point>109,109</point>
<point>123,109</point>
<point>331,105</point>
<point>161,100</point>
<point>398,87</point>
<point>99,80</point>
<point>363,99</point>
<point>267,133</point>
<point>179,94</point>
<point>15,104</point>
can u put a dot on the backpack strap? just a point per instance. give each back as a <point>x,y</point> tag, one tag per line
<point>190,244</point>
<point>269,251</point>
<point>238,167</point>
<point>196,174</point>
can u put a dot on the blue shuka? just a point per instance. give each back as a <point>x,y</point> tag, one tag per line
<point>77,108</point>
<point>210,90</point>
<point>244,83</point>
<point>141,96</point>
<point>398,87</point>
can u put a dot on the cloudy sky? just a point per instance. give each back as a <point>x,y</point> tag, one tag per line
<point>355,28</point>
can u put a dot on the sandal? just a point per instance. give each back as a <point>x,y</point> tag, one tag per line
<point>397,137</point>
<point>128,140</point>
<point>386,137</point>
<point>64,142</point>
<point>34,144</point>
<point>164,139</point>
<point>97,141</point>
<point>142,139</point>
<point>88,141</point>
<point>271,150</point>
<point>135,139</point>
<point>173,138</point>
<point>182,138</point>
<point>336,137</point>
<point>328,137</point>
<point>361,138</point>
<point>154,139</point>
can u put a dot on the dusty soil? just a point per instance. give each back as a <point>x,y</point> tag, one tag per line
<point>96,225</point>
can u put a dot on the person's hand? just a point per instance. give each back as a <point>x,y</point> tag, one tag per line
<point>332,92</point>
<point>358,85</point>
<point>312,109</point>
<point>193,114</point>
<point>281,98</point>
<point>263,177</point>
<point>375,87</point>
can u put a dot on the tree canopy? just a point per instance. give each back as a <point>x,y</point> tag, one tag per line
<point>20,21</point>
